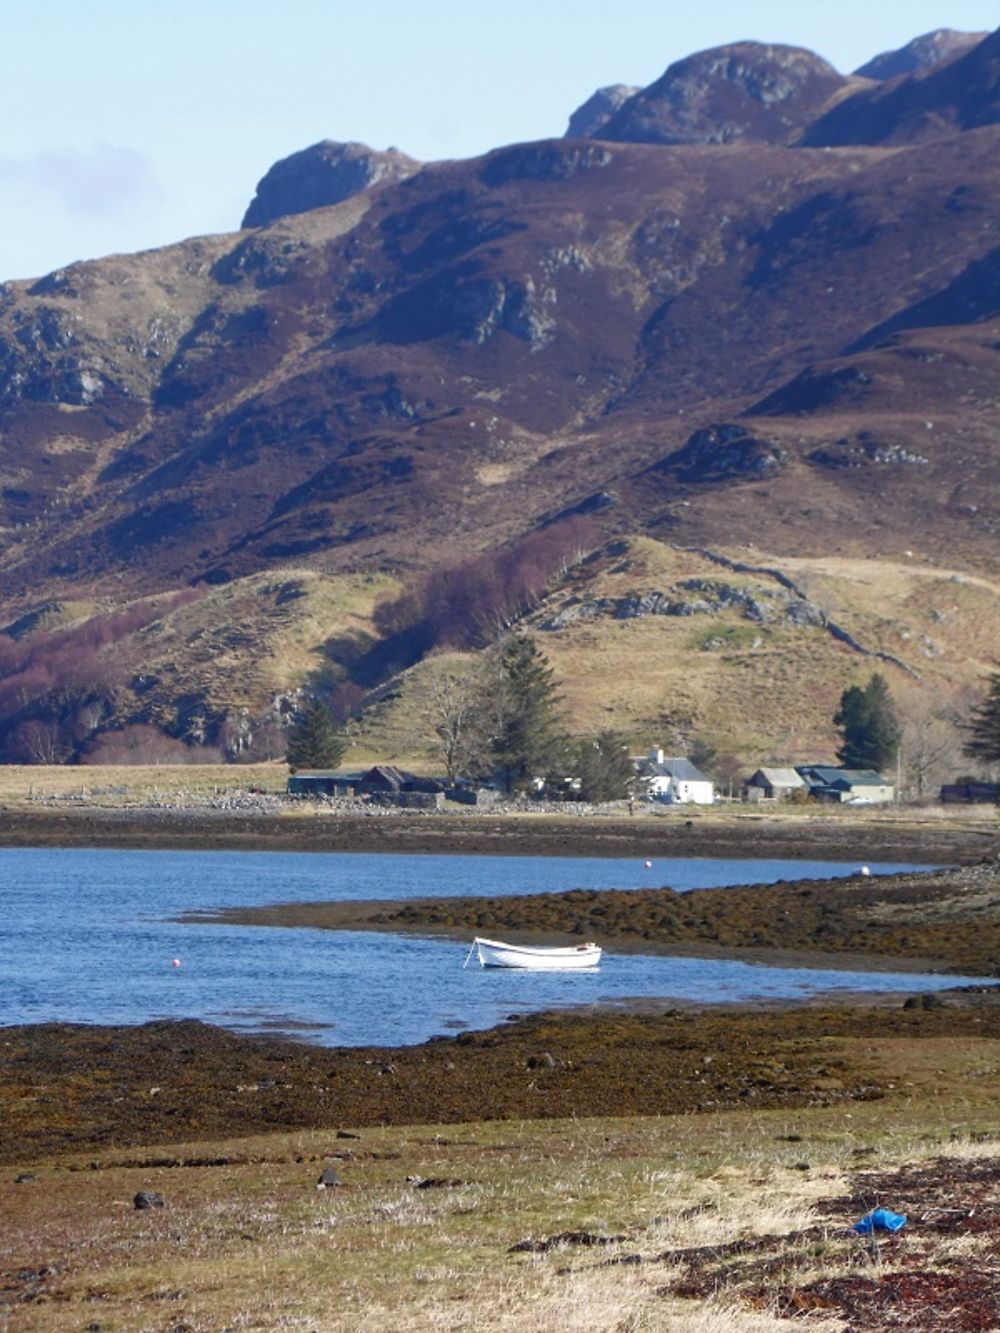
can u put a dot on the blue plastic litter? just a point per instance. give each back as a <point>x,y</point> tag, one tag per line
<point>879,1220</point>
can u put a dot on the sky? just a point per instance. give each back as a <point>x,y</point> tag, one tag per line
<point>127,124</point>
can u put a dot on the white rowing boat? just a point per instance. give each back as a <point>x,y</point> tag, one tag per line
<point>494,954</point>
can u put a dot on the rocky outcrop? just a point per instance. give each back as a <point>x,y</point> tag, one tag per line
<point>543,162</point>
<point>472,307</point>
<point>588,120</point>
<point>863,450</point>
<point>836,631</point>
<point>697,597</point>
<point>748,91</point>
<point>726,452</point>
<point>325,174</point>
<point>922,53</point>
<point>817,389</point>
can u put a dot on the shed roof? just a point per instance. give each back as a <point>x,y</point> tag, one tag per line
<point>829,776</point>
<point>388,775</point>
<point>780,777</point>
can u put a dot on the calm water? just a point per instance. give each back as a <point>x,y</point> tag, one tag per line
<point>87,936</point>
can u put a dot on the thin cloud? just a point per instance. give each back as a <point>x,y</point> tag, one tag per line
<point>101,182</point>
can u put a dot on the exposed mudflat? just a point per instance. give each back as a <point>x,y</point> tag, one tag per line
<point>65,1087</point>
<point>861,835</point>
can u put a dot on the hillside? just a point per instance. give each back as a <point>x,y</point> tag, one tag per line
<point>670,645</point>
<point>772,322</point>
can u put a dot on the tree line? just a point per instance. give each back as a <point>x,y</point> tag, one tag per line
<point>469,604</point>
<point>500,717</point>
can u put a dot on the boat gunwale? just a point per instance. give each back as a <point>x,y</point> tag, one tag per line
<point>540,950</point>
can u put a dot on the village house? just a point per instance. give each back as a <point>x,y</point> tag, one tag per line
<point>675,781</point>
<point>773,784</point>
<point>848,786</point>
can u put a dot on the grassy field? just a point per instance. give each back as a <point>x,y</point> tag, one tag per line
<point>113,785</point>
<point>692,1224</point>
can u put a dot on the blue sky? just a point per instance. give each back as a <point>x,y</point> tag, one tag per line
<point>127,124</point>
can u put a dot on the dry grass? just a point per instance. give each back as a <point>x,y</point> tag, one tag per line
<point>124,785</point>
<point>764,691</point>
<point>252,1243</point>
<point>250,639</point>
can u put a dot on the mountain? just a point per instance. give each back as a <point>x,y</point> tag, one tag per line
<point>961,94</point>
<point>733,343</point>
<point>748,91</point>
<point>923,52</point>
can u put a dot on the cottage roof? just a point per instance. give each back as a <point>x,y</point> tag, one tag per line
<point>681,770</point>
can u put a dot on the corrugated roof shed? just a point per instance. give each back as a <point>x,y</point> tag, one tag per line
<point>781,777</point>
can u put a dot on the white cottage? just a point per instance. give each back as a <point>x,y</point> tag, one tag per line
<point>675,781</point>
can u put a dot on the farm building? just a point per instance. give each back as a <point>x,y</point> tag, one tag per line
<point>323,782</point>
<point>773,784</point>
<point>846,785</point>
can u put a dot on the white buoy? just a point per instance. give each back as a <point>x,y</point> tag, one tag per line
<point>863,871</point>
<point>176,962</point>
<point>648,865</point>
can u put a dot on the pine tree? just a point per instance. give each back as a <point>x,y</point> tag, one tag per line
<point>604,768</point>
<point>984,726</point>
<point>529,737</point>
<point>314,741</point>
<point>868,724</point>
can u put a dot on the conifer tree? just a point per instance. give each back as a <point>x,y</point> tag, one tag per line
<point>868,724</point>
<point>984,726</point>
<point>314,741</point>
<point>604,768</point>
<point>529,737</point>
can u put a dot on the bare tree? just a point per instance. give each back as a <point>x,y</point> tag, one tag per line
<point>727,772</point>
<point>463,713</point>
<point>142,744</point>
<point>39,742</point>
<point>931,745</point>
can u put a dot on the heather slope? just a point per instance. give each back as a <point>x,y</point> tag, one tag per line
<point>508,336</point>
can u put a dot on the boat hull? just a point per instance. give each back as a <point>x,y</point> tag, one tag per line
<point>493,953</point>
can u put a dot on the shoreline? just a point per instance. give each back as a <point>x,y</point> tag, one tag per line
<point>940,921</point>
<point>187,1081</point>
<point>860,838</point>
<point>363,915</point>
